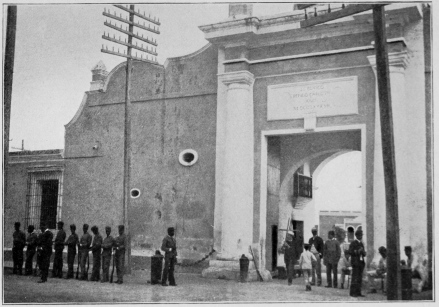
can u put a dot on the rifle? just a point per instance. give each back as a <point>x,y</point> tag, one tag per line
<point>88,264</point>
<point>77,268</point>
<point>112,271</point>
<point>36,263</point>
<point>282,248</point>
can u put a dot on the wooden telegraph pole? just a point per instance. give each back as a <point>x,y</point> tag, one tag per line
<point>11,26</point>
<point>385,104</point>
<point>129,32</point>
<point>388,147</point>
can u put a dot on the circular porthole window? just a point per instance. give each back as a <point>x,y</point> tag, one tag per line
<point>135,193</point>
<point>188,157</point>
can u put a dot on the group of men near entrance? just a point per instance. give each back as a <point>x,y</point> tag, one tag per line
<point>102,250</point>
<point>352,262</point>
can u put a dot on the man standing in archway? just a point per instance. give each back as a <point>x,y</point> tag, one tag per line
<point>316,244</point>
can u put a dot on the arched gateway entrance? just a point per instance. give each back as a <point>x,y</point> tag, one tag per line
<point>289,153</point>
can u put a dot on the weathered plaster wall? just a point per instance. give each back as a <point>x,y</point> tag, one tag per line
<point>173,109</point>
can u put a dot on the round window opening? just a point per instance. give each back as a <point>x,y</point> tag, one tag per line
<point>188,157</point>
<point>135,193</point>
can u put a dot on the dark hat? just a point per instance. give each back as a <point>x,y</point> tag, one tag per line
<point>359,232</point>
<point>85,226</point>
<point>94,228</point>
<point>407,248</point>
<point>30,228</point>
<point>382,249</point>
<point>17,224</point>
<point>107,228</point>
<point>73,226</point>
<point>171,229</point>
<point>331,233</point>
<point>121,227</point>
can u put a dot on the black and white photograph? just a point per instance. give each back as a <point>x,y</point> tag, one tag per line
<point>218,152</point>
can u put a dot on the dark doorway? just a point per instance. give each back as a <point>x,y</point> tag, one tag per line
<point>298,226</point>
<point>49,202</point>
<point>273,247</point>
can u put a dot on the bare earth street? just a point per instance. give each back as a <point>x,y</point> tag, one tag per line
<point>191,288</point>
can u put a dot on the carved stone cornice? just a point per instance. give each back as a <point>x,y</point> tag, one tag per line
<point>398,61</point>
<point>242,77</point>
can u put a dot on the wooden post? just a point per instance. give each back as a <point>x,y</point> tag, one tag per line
<point>11,25</point>
<point>385,103</point>
<point>127,143</point>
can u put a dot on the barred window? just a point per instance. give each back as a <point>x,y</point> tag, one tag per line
<point>43,201</point>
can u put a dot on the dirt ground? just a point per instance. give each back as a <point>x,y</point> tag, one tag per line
<point>190,288</point>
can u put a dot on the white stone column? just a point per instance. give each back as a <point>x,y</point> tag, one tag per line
<point>236,188</point>
<point>397,64</point>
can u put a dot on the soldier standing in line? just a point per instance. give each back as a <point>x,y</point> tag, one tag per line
<point>59,247</point>
<point>316,249</point>
<point>19,242</point>
<point>332,254</point>
<point>107,247</point>
<point>31,243</point>
<point>84,247</point>
<point>119,243</point>
<point>96,250</point>
<point>169,246</point>
<point>290,255</point>
<point>71,243</point>
<point>357,252</point>
<point>45,246</point>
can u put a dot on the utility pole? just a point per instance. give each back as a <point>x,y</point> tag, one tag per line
<point>388,147</point>
<point>129,32</point>
<point>386,119</point>
<point>11,26</point>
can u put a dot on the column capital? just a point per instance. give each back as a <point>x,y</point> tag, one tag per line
<point>241,77</point>
<point>398,61</point>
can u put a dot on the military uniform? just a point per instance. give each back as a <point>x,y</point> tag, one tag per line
<point>316,249</point>
<point>356,250</point>
<point>96,250</point>
<point>120,244</point>
<point>59,247</point>
<point>84,247</point>
<point>19,242</point>
<point>290,255</point>
<point>31,242</point>
<point>332,254</point>
<point>107,247</point>
<point>71,243</point>
<point>45,246</point>
<point>169,246</point>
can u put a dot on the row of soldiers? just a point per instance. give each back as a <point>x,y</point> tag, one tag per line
<point>42,244</point>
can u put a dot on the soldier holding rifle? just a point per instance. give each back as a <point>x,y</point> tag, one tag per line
<point>71,243</point>
<point>120,244</point>
<point>31,243</point>
<point>84,247</point>
<point>45,246</point>
<point>59,247</point>
<point>96,250</point>
<point>107,246</point>
<point>169,246</point>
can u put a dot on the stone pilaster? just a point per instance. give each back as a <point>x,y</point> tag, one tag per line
<point>234,186</point>
<point>397,65</point>
<point>237,185</point>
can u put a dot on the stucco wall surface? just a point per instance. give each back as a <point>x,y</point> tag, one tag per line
<point>173,109</point>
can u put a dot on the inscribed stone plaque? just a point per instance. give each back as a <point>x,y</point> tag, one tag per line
<point>324,98</point>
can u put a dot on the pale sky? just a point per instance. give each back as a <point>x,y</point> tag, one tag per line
<point>339,184</point>
<point>57,45</point>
